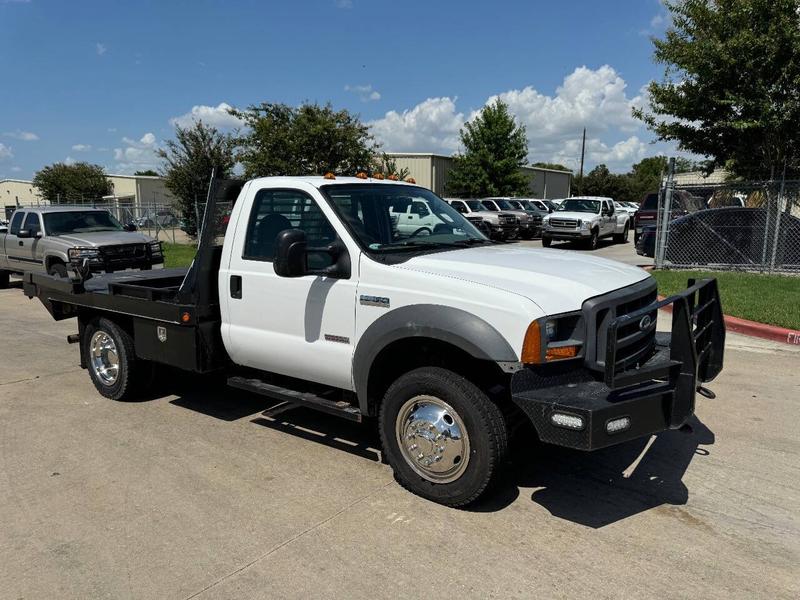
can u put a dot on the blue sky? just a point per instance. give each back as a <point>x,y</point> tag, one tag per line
<point>106,81</point>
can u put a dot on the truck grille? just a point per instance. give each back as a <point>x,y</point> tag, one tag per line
<point>536,219</point>
<point>506,219</point>
<point>564,223</point>
<point>124,252</point>
<point>635,341</point>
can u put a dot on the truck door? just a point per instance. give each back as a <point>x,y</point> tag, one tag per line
<point>301,327</point>
<point>607,218</point>
<point>31,247</point>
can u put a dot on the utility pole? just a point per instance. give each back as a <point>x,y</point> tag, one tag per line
<point>583,154</point>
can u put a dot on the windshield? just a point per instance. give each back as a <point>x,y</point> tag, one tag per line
<point>63,223</point>
<point>505,205</point>
<point>475,205</point>
<point>390,218</point>
<point>579,205</point>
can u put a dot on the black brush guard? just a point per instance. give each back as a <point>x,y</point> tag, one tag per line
<point>586,410</point>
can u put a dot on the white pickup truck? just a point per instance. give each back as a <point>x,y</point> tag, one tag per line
<point>586,219</point>
<point>447,339</point>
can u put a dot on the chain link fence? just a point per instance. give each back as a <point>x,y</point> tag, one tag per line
<point>161,221</point>
<point>727,225</point>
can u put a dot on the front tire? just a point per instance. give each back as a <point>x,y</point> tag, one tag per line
<point>4,279</point>
<point>546,241</point>
<point>443,437</point>
<point>592,242</point>
<point>58,269</point>
<point>112,363</point>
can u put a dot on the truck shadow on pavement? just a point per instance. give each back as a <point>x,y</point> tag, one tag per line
<point>606,486</point>
<point>591,489</point>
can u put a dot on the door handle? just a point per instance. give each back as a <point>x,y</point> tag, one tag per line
<point>236,286</point>
<point>21,243</point>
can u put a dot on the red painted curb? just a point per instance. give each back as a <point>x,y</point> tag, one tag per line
<point>753,329</point>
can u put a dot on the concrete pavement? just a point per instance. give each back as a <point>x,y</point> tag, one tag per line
<point>193,494</point>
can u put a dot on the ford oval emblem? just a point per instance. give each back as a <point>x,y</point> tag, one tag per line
<point>645,323</point>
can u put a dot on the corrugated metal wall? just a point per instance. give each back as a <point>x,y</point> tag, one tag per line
<point>432,170</point>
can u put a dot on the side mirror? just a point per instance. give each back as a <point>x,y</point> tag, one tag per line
<point>24,233</point>
<point>291,253</point>
<point>291,256</point>
<point>129,227</point>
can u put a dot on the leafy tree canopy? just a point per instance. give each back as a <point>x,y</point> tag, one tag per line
<point>188,162</point>
<point>495,148</point>
<point>79,182</point>
<point>553,166</point>
<point>147,173</point>
<point>312,139</point>
<point>730,92</point>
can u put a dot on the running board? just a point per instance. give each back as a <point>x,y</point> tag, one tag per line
<point>332,407</point>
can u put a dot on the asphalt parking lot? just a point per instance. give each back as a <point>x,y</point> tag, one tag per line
<point>194,494</point>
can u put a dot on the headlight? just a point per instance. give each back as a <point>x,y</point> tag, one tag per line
<point>81,253</point>
<point>585,224</point>
<point>155,248</point>
<point>552,339</point>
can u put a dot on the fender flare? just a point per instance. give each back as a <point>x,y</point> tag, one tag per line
<point>451,325</point>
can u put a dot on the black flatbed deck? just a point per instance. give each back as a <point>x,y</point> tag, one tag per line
<point>153,295</point>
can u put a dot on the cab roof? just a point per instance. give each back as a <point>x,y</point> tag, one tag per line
<point>318,181</point>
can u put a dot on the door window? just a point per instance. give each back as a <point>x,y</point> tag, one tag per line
<point>32,224</point>
<point>16,222</point>
<point>276,210</point>
<point>460,207</point>
<point>420,209</point>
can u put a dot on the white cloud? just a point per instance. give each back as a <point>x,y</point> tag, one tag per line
<point>365,92</point>
<point>431,126</point>
<point>69,161</point>
<point>593,98</point>
<point>25,136</point>
<point>100,48</point>
<point>217,116</point>
<point>5,152</point>
<point>344,4</point>
<point>82,147</point>
<point>16,169</point>
<point>112,130</point>
<point>137,155</point>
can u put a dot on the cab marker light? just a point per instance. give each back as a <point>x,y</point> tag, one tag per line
<point>361,175</point>
<point>329,175</point>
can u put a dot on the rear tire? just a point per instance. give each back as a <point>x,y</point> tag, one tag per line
<point>454,427</point>
<point>4,279</point>
<point>622,238</point>
<point>111,361</point>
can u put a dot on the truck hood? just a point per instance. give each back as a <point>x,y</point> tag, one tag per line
<point>556,280</point>
<point>102,238</point>
<point>584,216</point>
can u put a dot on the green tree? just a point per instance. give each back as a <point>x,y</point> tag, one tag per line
<point>388,166</point>
<point>147,173</point>
<point>553,166</point>
<point>495,148</point>
<point>312,139</point>
<point>730,90</point>
<point>79,182</point>
<point>602,182</point>
<point>188,162</point>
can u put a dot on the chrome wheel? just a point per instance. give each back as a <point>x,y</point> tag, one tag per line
<point>104,358</point>
<point>432,439</point>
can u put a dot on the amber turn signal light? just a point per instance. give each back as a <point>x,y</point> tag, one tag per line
<point>561,353</point>
<point>532,346</point>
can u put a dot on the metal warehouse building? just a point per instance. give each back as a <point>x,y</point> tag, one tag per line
<point>135,192</point>
<point>432,170</point>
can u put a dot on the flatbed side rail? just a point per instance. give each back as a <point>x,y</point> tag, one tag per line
<point>697,340</point>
